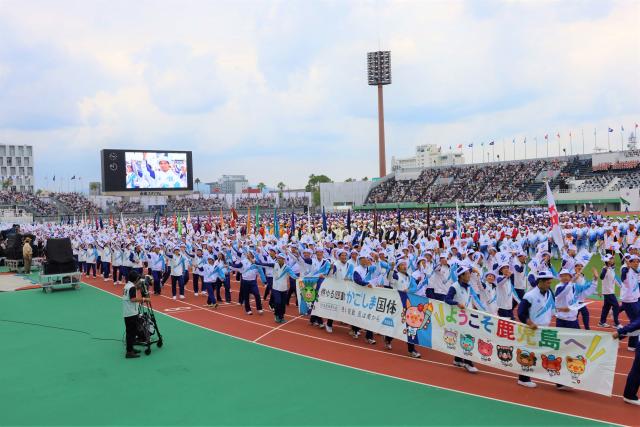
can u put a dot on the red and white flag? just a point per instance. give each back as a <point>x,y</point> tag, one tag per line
<point>556,233</point>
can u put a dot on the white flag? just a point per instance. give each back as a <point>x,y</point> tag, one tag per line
<point>555,220</point>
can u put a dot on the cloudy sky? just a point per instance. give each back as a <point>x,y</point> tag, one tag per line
<point>277,90</point>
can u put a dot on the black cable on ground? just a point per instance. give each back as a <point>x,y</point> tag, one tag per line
<point>61,329</point>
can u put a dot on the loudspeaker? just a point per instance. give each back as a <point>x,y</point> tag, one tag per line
<point>58,251</point>
<point>14,246</point>
<point>55,268</point>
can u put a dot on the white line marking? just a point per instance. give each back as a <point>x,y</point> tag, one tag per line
<point>275,329</point>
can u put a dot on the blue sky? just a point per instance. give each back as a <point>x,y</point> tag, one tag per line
<point>277,90</point>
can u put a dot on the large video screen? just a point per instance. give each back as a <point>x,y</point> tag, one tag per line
<point>153,170</point>
<point>146,170</point>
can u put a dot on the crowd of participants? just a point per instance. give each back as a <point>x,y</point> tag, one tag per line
<point>127,206</point>
<point>294,202</point>
<point>252,202</point>
<point>491,260</point>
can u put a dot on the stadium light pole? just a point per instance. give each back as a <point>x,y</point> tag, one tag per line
<point>379,74</point>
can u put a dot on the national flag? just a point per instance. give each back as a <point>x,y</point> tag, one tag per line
<point>54,178</point>
<point>110,220</point>
<point>399,220</point>
<point>324,220</point>
<point>198,224</point>
<point>558,135</point>
<point>482,144</point>
<point>74,177</point>
<point>276,223</point>
<point>293,224</point>
<point>610,130</point>
<point>556,233</point>
<point>636,126</point>
<point>514,140</point>
<point>459,146</point>
<point>622,128</point>
<point>525,140</point>
<point>470,146</point>
<point>450,148</point>
<point>569,134</point>
<point>492,142</point>
<point>101,223</point>
<point>234,218</point>
<point>546,136</point>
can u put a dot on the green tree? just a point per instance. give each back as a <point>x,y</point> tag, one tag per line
<point>261,186</point>
<point>349,180</point>
<point>365,179</point>
<point>281,186</point>
<point>197,182</point>
<point>313,186</point>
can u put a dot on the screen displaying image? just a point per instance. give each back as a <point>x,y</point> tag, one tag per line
<point>153,170</point>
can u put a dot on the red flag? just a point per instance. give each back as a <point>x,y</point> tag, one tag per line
<point>110,220</point>
<point>175,222</point>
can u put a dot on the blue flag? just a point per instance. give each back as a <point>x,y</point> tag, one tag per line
<point>293,223</point>
<point>324,220</point>
<point>610,130</point>
<point>276,223</point>
<point>492,142</point>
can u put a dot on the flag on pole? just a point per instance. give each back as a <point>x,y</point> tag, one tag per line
<point>309,228</point>
<point>622,128</point>
<point>293,224</point>
<point>459,146</point>
<point>555,220</point>
<point>610,130</point>
<point>428,219</point>
<point>101,223</point>
<point>122,221</point>
<point>276,223</point>
<point>234,218</point>
<point>470,146</point>
<point>349,221</point>
<point>110,220</point>
<point>179,226</point>
<point>492,143</point>
<point>546,136</point>
<point>324,220</point>
<point>458,223</point>
<point>248,220</point>
<point>221,218</point>
<point>375,219</point>
<point>257,216</point>
<point>399,220</point>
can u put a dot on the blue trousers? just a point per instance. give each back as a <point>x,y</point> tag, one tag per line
<point>610,303</point>
<point>177,280</point>
<point>292,291</point>
<point>116,273</point>
<point>227,289</point>
<point>106,269</point>
<point>208,286</point>
<point>633,311</point>
<point>247,288</point>
<point>279,300</point>
<point>432,294</point>
<point>124,272</point>
<point>633,379</point>
<point>157,285</point>
<point>197,278</point>
<point>503,312</point>
<point>90,267</point>
<point>571,324</point>
<point>584,312</point>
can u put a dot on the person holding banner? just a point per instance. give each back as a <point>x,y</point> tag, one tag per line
<point>460,294</point>
<point>504,291</point>
<point>630,394</point>
<point>629,294</point>
<point>403,282</point>
<point>537,308</point>
<point>362,277</point>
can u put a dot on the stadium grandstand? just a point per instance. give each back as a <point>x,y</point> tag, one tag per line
<point>590,178</point>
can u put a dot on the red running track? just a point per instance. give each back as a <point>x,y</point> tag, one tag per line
<point>434,369</point>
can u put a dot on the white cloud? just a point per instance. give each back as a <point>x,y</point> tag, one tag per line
<point>277,89</point>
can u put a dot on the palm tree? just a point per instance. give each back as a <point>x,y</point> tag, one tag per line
<point>197,181</point>
<point>281,186</point>
<point>261,186</point>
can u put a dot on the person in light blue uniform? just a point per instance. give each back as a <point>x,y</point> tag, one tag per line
<point>630,394</point>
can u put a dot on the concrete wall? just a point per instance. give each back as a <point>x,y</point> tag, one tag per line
<point>338,195</point>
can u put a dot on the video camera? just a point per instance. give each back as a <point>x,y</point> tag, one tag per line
<point>143,284</point>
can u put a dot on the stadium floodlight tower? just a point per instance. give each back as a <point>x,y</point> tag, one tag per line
<point>379,74</point>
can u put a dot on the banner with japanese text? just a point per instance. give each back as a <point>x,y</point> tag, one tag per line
<point>577,358</point>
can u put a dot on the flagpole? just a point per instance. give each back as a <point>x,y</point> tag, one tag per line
<point>471,153</point>
<point>608,142</point>
<point>514,148</point>
<point>595,138</point>
<point>570,144</point>
<point>504,150</point>
<point>559,145</point>
<point>583,150</point>
<point>535,141</point>
<point>547,138</point>
<point>622,138</point>
<point>525,148</point>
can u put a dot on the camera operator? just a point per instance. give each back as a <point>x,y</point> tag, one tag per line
<point>130,306</point>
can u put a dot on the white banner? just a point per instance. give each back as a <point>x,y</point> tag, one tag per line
<point>577,358</point>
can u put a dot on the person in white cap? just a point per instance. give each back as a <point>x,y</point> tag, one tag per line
<point>629,293</point>
<point>609,281</point>
<point>460,295</point>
